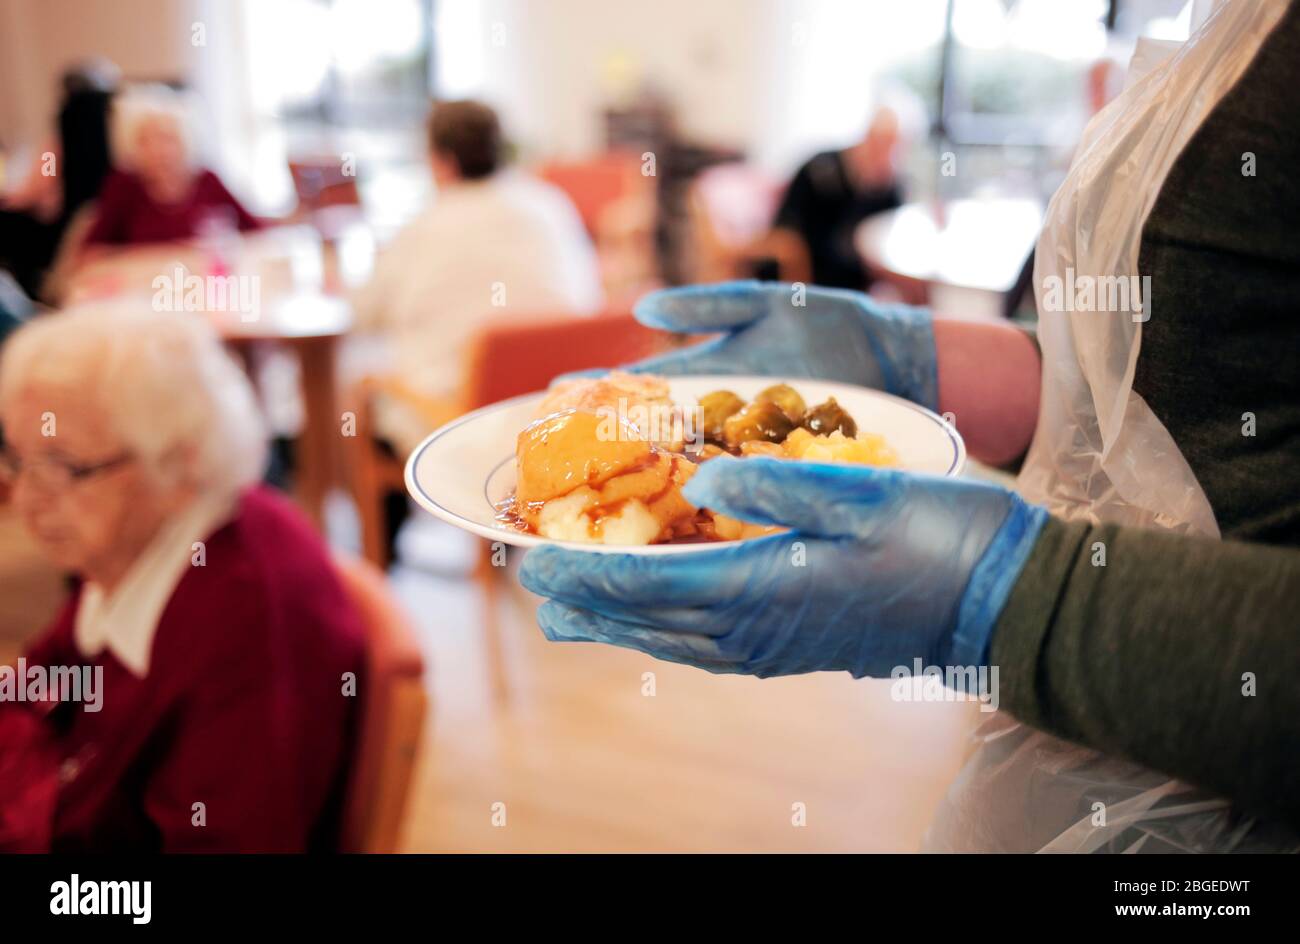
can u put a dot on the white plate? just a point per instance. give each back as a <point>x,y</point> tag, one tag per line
<point>463,470</point>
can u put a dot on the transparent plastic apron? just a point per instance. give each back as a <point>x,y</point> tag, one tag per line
<point>1100,454</point>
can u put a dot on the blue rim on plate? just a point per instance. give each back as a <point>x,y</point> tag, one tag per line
<point>440,510</point>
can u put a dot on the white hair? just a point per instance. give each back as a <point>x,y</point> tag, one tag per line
<point>906,107</point>
<point>141,104</point>
<point>164,379</point>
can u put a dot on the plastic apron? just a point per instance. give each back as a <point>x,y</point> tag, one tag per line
<point>1099,453</point>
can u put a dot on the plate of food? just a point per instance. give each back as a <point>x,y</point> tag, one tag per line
<point>599,463</point>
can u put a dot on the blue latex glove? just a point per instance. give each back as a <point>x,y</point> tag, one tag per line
<point>833,335</point>
<point>881,567</point>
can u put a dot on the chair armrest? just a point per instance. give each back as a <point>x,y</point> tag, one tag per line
<point>434,410</point>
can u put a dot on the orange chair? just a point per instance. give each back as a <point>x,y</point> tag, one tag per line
<point>616,203</point>
<point>597,185</point>
<point>393,710</point>
<point>513,357</point>
<point>506,359</point>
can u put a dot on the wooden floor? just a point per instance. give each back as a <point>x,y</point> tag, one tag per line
<point>582,760</point>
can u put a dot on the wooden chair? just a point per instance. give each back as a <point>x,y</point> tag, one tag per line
<point>506,359</point>
<point>513,357</point>
<point>373,470</point>
<point>616,203</point>
<point>598,186</point>
<point>731,208</point>
<point>393,712</point>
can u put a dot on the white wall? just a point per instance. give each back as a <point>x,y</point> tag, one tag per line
<point>150,39</point>
<point>776,78</point>
<point>552,66</point>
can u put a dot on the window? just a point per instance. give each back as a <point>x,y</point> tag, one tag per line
<point>356,63</point>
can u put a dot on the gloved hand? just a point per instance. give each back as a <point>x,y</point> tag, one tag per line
<point>788,331</point>
<point>880,567</point>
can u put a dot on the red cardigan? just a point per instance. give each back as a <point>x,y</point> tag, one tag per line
<point>243,709</point>
<point>127,215</point>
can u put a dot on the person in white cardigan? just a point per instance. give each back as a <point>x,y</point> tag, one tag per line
<point>494,243</point>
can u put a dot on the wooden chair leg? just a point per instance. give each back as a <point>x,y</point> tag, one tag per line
<point>368,495</point>
<point>318,441</point>
<point>407,708</point>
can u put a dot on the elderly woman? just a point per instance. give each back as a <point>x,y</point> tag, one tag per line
<point>158,193</point>
<point>218,651</point>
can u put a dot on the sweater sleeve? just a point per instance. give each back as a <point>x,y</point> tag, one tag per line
<point>1179,653</point>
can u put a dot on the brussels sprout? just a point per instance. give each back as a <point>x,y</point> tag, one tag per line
<point>716,407</point>
<point>765,421</point>
<point>825,418</point>
<point>786,397</point>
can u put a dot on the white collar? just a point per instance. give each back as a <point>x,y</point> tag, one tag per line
<point>126,620</point>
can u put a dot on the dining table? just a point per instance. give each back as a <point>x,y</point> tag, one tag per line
<point>961,257</point>
<point>275,289</point>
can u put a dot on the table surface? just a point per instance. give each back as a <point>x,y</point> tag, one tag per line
<point>279,275</point>
<point>975,243</point>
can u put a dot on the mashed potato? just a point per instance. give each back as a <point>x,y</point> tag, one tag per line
<point>589,472</point>
<point>570,518</point>
<point>864,448</point>
<point>577,483</point>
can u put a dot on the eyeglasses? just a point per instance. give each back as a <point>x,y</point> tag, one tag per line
<point>53,474</point>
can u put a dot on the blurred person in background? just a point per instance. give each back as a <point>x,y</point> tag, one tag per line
<point>158,193</point>
<point>494,244</point>
<point>834,191</point>
<point>133,446</point>
<point>66,176</point>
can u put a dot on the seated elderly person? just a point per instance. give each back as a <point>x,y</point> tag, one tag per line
<point>158,193</point>
<point>834,191</point>
<point>217,652</point>
<point>495,244</point>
